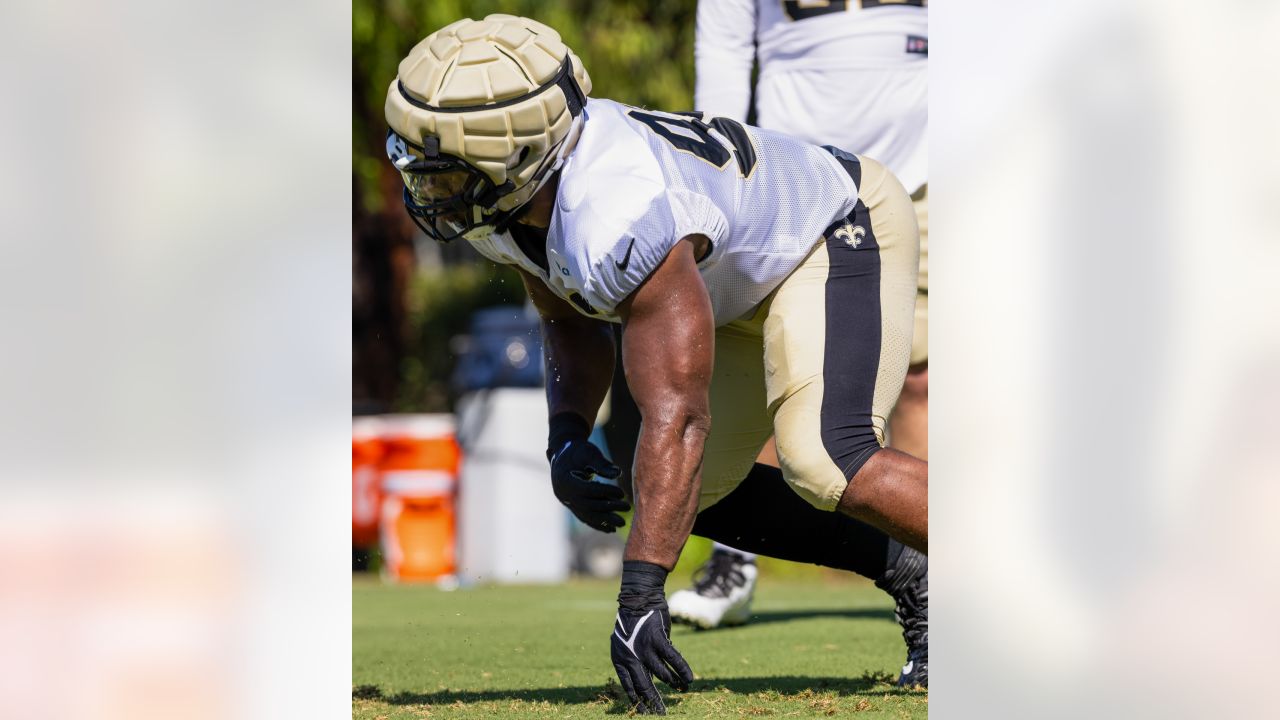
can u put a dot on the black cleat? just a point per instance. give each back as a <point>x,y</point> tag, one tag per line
<point>908,582</point>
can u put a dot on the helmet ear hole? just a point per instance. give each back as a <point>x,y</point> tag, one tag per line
<point>517,165</point>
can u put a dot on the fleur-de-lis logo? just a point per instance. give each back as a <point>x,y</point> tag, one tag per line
<point>851,234</point>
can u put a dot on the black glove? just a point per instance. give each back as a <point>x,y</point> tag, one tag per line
<point>574,460</point>
<point>641,641</point>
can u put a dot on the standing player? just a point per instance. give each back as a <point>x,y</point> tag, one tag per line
<point>850,74</point>
<point>728,254</point>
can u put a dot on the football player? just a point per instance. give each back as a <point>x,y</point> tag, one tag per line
<point>765,286</point>
<point>853,75</point>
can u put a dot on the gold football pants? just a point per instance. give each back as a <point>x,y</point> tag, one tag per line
<point>821,361</point>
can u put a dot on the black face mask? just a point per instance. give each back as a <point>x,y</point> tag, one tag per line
<point>446,197</point>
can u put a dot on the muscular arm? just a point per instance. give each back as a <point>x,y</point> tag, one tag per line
<point>578,352</point>
<point>668,351</point>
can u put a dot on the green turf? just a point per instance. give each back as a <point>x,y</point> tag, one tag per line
<point>815,648</point>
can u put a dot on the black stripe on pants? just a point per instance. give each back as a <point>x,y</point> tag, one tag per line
<point>851,357</point>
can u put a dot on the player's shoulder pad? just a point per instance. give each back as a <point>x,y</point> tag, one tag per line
<point>612,216</point>
<point>612,176</point>
<point>616,215</point>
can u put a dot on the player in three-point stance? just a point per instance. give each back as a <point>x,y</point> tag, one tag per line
<point>766,286</point>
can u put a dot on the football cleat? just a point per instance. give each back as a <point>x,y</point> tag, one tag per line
<point>721,593</point>
<point>908,582</point>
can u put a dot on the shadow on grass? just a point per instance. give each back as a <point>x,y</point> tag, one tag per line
<point>870,684</point>
<point>769,616</point>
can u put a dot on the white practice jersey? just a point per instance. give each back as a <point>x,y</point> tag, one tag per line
<point>848,73</point>
<point>639,181</point>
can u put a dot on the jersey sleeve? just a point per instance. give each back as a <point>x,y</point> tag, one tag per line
<point>613,254</point>
<point>724,50</point>
<point>672,216</point>
<point>618,214</point>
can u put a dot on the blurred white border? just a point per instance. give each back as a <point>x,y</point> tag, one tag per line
<point>176,279</point>
<point>175,267</point>
<point>1104,358</point>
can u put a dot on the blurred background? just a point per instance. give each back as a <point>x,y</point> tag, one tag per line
<point>443,348</point>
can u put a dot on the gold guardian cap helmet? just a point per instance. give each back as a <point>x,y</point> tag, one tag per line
<point>481,113</point>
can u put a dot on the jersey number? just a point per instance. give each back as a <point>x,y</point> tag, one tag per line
<point>801,9</point>
<point>704,144</point>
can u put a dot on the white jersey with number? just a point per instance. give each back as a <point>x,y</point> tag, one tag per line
<point>639,181</point>
<point>848,73</point>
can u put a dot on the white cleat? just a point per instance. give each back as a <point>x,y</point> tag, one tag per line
<point>721,593</point>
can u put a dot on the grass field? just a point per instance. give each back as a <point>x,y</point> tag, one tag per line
<point>815,648</point>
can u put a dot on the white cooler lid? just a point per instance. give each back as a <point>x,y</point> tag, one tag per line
<point>418,426</point>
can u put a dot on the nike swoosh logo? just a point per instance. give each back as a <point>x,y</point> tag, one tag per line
<point>626,259</point>
<point>631,644</point>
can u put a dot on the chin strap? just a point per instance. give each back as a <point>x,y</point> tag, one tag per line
<point>505,222</point>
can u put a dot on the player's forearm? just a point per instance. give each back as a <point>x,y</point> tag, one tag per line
<point>668,350</point>
<point>669,373</point>
<point>668,479</point>
<point>579,357</point>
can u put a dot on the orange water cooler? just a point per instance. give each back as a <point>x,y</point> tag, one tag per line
<point>366,488</point>
<point>419,479</point>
